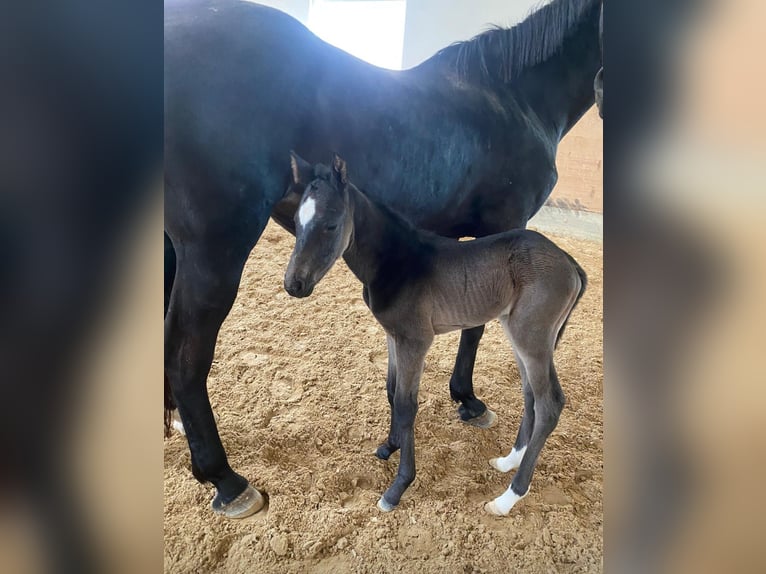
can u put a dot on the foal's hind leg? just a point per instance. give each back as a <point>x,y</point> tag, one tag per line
<point>204,289</point>
<point>471,410</point>
<point>513,460</point>
<point>534,346</point>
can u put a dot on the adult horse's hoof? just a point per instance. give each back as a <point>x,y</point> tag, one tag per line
<point>246,504</point>
<point>497,465</point>
<point>484,421</point>
<point>384,506</point>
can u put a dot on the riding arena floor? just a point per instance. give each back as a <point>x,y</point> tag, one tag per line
<point>298,386</point>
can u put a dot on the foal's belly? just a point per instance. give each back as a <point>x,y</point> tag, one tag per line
<point>457,308</point>
<point>471,284</point>
<point>455,319</point>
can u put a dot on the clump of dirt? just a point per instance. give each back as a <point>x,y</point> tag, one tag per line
<point>299,386</point>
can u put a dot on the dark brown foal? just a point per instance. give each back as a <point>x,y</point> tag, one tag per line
<point>419,285</point>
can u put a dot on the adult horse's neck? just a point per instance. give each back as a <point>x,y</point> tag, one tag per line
<point>383,245</point>
<point>547,61</point>
<point>560,88</point>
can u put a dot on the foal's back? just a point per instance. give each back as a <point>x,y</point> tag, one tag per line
<point>476,281</point>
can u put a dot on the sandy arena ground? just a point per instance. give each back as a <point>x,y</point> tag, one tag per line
<point>299,386</point>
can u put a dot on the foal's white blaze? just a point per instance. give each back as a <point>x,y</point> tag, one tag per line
<point>306,212</point>
<point>506,463</point>
<point>502,505</point>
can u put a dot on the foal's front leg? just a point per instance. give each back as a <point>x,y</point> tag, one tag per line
<point>391,444</point>
<point>410,357</point>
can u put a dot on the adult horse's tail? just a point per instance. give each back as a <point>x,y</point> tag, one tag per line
<point>170,275</point>
<point>583,284</point>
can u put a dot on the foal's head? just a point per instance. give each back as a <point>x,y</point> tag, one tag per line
<point>323,223</point>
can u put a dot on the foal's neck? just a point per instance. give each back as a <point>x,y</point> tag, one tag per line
<point>383,245</point>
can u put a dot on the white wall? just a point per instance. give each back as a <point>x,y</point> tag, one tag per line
<point>298,9</point>
<point>433,24</point>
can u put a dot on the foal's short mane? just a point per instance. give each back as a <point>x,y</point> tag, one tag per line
<point>405,223</point>
<point>501,54</point>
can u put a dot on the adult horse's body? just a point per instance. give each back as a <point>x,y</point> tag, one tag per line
<point>472,133</point>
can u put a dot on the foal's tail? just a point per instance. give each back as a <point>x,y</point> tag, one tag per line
<point>583,284</point>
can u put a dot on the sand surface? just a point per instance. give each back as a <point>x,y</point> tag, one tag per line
<point>299,386</point>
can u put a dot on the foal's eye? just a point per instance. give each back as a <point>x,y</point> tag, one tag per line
<point>331,226</point>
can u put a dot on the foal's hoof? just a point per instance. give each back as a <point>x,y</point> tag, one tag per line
<point>385,506</point>
<point>246,504</point>
<point>491,508</point>
<point>483,421</point>
<point>502,505</point>
<point>510,462</point>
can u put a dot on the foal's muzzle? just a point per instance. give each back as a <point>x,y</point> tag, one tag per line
<point>296,287</point>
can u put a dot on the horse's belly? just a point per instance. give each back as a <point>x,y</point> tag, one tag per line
<point>464,315</point>
<point>471,287</point>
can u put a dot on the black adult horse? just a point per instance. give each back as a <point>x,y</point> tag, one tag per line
<point>463,144</point>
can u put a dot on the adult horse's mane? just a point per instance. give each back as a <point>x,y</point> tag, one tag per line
<point>501,54</point>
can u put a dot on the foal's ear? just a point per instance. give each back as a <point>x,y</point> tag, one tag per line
<point>302,171</point>
<point>339,169</point>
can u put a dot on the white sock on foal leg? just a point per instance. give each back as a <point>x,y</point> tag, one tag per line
<point>502,505</point>
<point>506,463</point>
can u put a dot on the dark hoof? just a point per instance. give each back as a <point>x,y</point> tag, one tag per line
<point>385,506</point>
<point>384,451</point>
<point>246,504</point>
<point>483,421</point>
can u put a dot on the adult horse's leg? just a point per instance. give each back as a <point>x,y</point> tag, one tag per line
<point>205,286</point>
<point>170,275</point>
<point>170,269</point>
<point>410,359</point>
<point>471,410</point>
<point>513,460</point>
